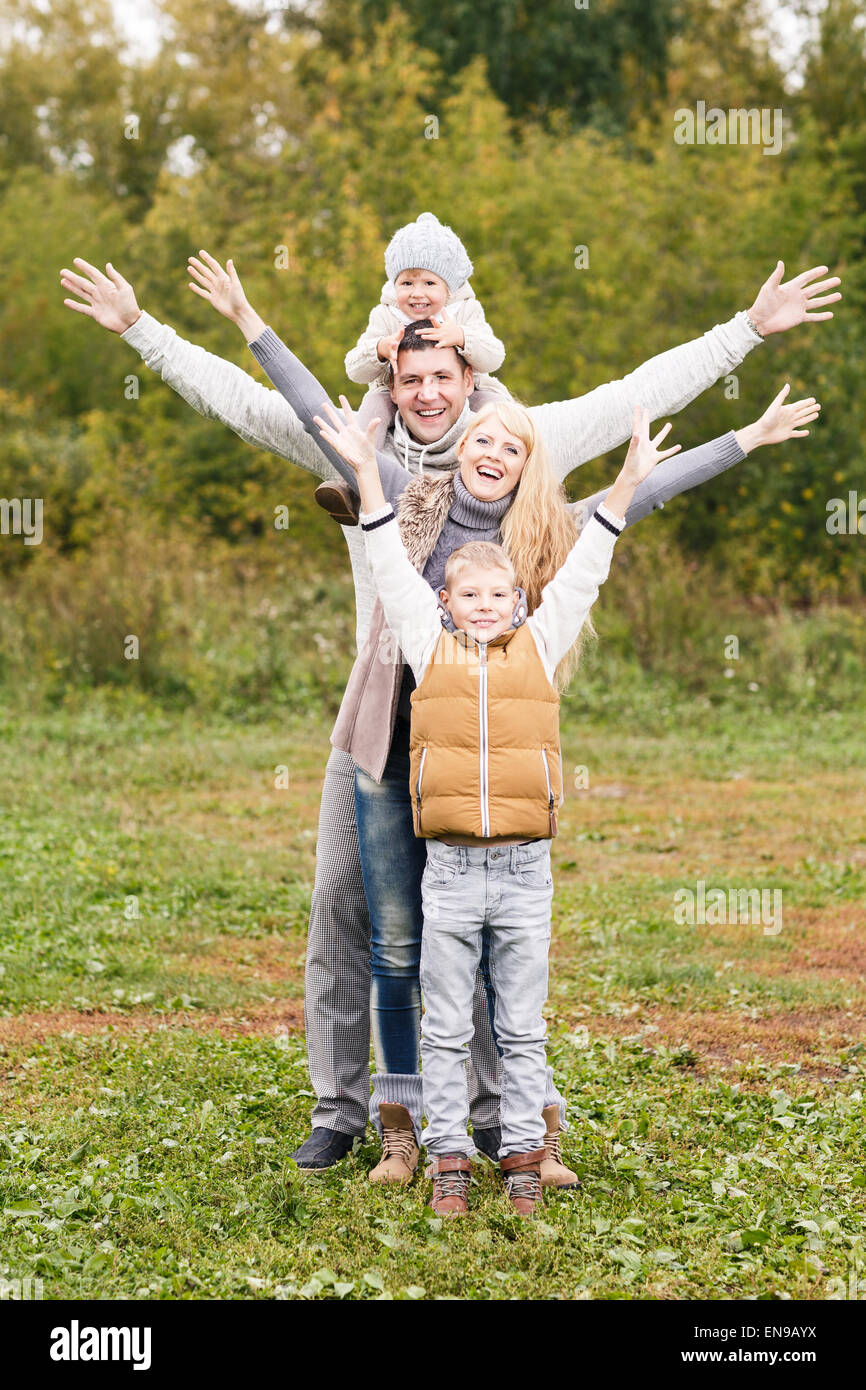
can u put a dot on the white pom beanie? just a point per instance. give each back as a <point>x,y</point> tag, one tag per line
<point>428,245</point>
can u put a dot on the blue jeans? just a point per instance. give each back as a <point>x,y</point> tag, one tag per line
<point>393,861</point>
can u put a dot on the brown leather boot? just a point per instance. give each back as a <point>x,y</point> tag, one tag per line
<point>399,1149</point>
<point>451,1177</point>
<point>340,502</point>
<point>553,1171</point>
<point>522,1174</point>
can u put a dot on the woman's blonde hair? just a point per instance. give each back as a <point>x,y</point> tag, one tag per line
<point>538,530</point>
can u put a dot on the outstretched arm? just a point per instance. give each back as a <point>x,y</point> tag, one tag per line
<point>580,429</point>
<point>678,474</point>
<point>304,394</point>
<point>215,388</point>
<point>568,598</point>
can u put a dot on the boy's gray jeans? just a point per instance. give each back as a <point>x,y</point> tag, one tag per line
<point>508,888</point>
<point>337,994</point>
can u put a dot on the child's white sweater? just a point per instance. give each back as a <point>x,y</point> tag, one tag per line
<point>482,350</point>
<point>412,609</point>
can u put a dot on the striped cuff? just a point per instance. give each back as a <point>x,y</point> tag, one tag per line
<point>609,519</point>
<point>265,346</point>
<point>370,520</point>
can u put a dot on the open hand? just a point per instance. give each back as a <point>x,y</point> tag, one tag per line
<point>108,298</point>
<point>446,333</point>
<point>222,288</point>
<point>780,422</point>
<point>346,436</point>
<point>643,453</point>
<point>779,307</point>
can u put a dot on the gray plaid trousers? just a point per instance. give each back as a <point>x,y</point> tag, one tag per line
<point>337,981</point>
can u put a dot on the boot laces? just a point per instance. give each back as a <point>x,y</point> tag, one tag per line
<point>455,1184</point>
<point>524,1185</point>
<point>551,1144</point>
<point>399,1143</point>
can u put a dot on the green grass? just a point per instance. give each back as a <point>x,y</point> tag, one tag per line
<point>155,887</point>
<point>156,1167</point>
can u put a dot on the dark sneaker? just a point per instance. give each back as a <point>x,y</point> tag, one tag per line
<point>324,1148</point>
<point>487,1142</point>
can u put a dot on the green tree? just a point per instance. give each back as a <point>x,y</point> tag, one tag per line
<point>598,61</point>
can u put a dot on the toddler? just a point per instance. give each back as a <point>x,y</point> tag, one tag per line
<point>428,278</point>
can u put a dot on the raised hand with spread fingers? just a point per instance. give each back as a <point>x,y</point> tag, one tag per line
<point>107,299</point>
<point>223,289</point>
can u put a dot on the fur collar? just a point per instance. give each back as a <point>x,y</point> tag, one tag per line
<point>422,512</point>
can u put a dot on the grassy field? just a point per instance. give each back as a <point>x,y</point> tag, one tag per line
<point>155,889</point>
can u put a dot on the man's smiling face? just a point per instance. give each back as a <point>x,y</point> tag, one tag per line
<point>430,389</point>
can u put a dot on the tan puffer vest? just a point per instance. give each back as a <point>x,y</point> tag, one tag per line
<point>485,755</point>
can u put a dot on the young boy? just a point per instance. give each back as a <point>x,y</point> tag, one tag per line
<point>486,780</point>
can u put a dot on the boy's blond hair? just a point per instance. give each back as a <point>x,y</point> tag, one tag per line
<point>486,555</point>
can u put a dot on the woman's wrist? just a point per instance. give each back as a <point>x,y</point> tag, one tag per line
<point>749,437</point>
<point>249,323</point>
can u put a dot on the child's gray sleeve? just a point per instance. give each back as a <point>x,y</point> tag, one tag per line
<point>305,395</point>
<point>673,476</point>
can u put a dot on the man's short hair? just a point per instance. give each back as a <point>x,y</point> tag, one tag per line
<point>411,342</point>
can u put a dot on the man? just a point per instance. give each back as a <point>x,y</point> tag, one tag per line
<point>430,390</point>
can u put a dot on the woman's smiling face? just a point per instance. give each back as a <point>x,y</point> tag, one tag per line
<point>491,460</point>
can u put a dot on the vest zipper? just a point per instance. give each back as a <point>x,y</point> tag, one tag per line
<point>418,784</point>
<point>549,789</point>
<point>482,713</point>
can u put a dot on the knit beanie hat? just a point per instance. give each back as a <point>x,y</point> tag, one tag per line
<point>428,245</point>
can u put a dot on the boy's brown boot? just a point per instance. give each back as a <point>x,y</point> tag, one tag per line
<point>522,1173</point>
<point>339,501</point>
<point>553,1171</point>
<point>451,1178</point>
<point>399,1149</point>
